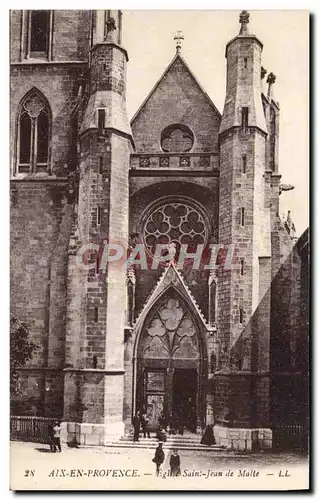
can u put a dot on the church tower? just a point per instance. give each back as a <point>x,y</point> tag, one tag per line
<point>244,226</point>
<point>94,377</point>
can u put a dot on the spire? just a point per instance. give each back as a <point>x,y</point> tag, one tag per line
<point>243,93</point>
<point>178,37</point>
<point>244,20</point>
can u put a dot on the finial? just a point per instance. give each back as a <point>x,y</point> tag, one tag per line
<point>271,78</point>
<point>263,73</point>
<point>178,37</point>
<point>244,20</point>
<point>110,26</point>
<point>290,226</point>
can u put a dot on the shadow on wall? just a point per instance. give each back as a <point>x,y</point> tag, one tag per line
<point>288,330</point>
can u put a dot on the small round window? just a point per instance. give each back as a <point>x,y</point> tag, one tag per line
<point>177,139</point>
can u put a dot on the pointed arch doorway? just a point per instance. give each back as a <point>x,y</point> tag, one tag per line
<point>170,363</point>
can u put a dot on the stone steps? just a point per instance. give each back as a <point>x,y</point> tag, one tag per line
<point>187,442</point>
<point>170,439</point>
<point>166,446</point>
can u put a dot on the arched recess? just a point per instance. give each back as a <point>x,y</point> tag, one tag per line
<point>33,134</point>
<point>170,362</point>
<point>204,198</point>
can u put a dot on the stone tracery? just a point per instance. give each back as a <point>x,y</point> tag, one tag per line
<point>178,223</point>
<point>171,332</point>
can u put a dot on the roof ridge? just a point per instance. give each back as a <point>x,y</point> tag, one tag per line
<point>188,291</point>
<point>201,88</point>
<point>193,299</point>
<point>149,296</point>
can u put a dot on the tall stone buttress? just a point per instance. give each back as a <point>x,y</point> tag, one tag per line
<point>94,377</point>
<point>242,378</point>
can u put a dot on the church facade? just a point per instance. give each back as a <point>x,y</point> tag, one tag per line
<point>146,254</point>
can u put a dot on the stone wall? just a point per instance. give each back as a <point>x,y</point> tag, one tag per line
<point>41,211</point>
<point>289,338</point>
<point>40,230</point>
<point>69,38</point>
<point>176,99</point>
<point>243,439</point>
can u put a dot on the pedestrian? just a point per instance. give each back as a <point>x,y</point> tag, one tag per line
<point>159,457</point>
<point>161,434</point>
<point>136,426</point>
<point>162,421</point>
<point>145,425</point>
<point>208,436</point>
<point>175,464</point>
<point>51,438</point>
<point>56,436</point>
<point>173,424</point>
<point>180,421</point>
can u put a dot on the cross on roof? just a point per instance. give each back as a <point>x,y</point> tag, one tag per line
<point>178,37</point>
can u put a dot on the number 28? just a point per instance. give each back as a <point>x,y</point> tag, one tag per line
<point>29,473</point>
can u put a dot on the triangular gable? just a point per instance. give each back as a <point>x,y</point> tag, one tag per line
<point>177,98</point>
<point>177,56</point>
<point>171,277</point>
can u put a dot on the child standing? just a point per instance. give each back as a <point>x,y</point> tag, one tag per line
<point>175,464</point>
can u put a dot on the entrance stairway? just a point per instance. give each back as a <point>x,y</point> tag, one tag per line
<point>188,441</point>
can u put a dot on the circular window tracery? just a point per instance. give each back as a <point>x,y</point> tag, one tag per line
<point>175,222</point>
<point>177,139</point>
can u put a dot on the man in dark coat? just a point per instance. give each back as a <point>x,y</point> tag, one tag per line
<point>162,421</point>
<point>159,457</point>
<point>51,438</point>
<point>145,426</point>
<point>136,426</point>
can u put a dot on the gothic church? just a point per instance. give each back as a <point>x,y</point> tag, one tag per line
<point>202,342</point>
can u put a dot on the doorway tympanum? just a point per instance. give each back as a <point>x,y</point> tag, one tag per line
<point>170,365</point>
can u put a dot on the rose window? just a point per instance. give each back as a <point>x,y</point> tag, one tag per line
<point>177,223</point>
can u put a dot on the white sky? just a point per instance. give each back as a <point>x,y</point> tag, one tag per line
<point>148,38</point>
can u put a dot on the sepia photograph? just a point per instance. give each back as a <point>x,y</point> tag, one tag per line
<point>159,250</point>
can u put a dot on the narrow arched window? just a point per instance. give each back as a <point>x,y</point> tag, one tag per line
<point>42,138</point>
<point>25,139</point>
<point>33,138</point>
<point>212,300</point>
<point>39,34</point>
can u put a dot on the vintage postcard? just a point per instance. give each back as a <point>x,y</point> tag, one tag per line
<point>159,250</point>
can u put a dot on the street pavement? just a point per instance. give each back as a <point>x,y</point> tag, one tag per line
<point>34,467</point>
